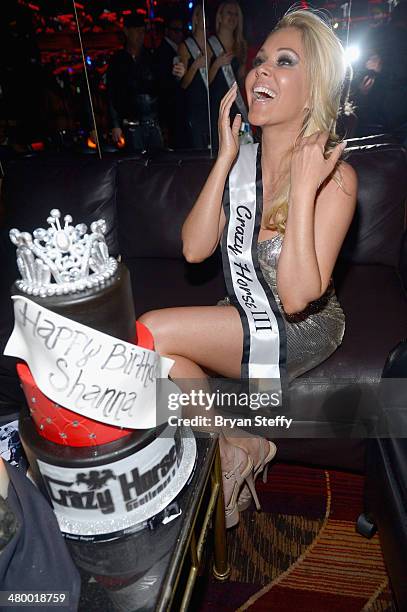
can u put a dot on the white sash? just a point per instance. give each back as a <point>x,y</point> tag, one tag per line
<point>264,344</point>
<point>195,52</point>
<point>229,75</point>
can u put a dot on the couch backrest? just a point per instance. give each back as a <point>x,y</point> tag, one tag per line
<point>376,233</point>
<point>84,187</point>
<point>155,197</point>
<point>153,200</point>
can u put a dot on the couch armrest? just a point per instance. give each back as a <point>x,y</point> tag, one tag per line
<point>403,261</point>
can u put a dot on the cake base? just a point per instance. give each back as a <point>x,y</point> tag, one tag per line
<point>104,492</point>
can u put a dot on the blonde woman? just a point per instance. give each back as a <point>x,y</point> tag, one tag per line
<point>307,198</point>
<point>195,82</point>
<point>229,64</point>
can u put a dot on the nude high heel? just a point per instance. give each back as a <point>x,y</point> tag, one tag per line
<point>233,480</point>
<point>267,452</point>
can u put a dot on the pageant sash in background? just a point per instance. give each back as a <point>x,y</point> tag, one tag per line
<point>264,343</point>
<point>229,75</point>
<point>195,52</point>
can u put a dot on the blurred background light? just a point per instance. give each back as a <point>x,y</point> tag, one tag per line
<point>352,53</point>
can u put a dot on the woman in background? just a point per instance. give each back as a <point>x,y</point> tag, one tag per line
<point>230,52</point>
<point>195,82</point>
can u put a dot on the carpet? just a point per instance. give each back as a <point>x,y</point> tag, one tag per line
<point>301,553</point>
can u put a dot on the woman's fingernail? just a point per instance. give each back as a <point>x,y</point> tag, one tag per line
<point>344,143</point>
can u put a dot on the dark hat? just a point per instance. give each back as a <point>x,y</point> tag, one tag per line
<point>134,21</point>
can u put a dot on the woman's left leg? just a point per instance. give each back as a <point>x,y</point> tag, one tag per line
<point>198,337</point>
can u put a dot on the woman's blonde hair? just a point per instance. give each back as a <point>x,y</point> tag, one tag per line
<point>197,12</point>
<point>239,43</point>
<point>326,69</point>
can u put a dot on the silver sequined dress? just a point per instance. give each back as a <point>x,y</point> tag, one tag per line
<point>314,334</point>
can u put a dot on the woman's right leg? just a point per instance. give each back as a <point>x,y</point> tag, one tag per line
<point>198,337</point>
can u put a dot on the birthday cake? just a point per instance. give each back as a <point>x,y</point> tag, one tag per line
<point>89,376</point>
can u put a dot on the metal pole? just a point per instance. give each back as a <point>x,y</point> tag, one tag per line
<point>348,25</point>
<point>207,80</point>
<point>87,82</point>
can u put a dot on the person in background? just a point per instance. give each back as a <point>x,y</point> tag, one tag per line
<point>230,52</point>
<point>380,91</point>
<point>170,70</point>
<point>133,92</point>
<point>22,77</point>
<point>195,82</point>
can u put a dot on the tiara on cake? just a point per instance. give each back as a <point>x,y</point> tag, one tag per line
<point>62,260</point>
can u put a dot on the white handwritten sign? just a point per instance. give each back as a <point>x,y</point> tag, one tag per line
<point>85,370</point>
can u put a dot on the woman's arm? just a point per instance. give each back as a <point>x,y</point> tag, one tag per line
<point>194,67</point>
<point>317,223</point>
<point>204,225</point>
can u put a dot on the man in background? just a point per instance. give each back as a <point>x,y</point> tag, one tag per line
<point>170,71</point>
<point>132,86</point>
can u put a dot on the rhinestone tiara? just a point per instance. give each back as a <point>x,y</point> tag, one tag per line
<point>62,259</point>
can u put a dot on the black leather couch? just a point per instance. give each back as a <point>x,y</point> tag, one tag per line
<point>385,496</point>
<point>145,201</point>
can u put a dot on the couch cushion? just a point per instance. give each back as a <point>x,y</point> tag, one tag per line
<point>153,201</point>
<point>159,283</point>
<point>376,319</point>
<point>376,232</point>
<point>333,400</point>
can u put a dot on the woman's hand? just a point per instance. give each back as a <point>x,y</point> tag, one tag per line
<point>116,134</point>
<point>178,70</point>
<point>224,59</point>
<point>199,62</point>
<point>309,167</point>
<point>228,135</point>
<point>366,85</point>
